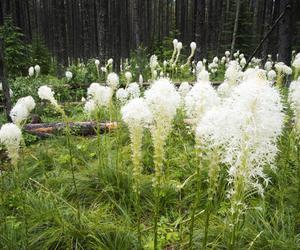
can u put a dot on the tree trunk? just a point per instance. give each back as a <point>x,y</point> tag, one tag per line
<point>268,23</point>
<point>236,23</point>
<point>285,34</point>
<point>200,30</point>
<point>136,26</point>
<point>5,85</point>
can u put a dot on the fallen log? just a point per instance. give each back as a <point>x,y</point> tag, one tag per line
<point>45,130</point>
<point>145,84</point>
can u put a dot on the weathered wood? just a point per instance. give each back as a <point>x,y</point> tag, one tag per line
<point>45,130</point>
<point>145,84</point>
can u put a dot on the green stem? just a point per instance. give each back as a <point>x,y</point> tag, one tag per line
<point>100,157</point>
<point>159,143</point>
<point>208,210</point>
<point>195,207</point>
<point>138,212</point>
<point>73,176</point>
<point>298,166</point>
<point>213,185</point>
<point>156,213</point>
<point>136,134</point>
<point>68,137</point>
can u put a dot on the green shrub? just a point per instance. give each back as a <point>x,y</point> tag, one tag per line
<point>17,54</point>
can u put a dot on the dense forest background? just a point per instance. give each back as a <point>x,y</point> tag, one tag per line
<point>82,29</point>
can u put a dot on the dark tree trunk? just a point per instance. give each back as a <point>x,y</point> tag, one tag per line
<point>136,25</point>
<point>5,85</point>
<point>200,29</point>
<point>236,23</point>
<point>268,23</point>
<point>60,40</point>
<point>285,34</point>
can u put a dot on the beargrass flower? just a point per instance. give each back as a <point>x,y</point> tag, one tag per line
<point>89,106</point>
<point>268,65</point>
<point>69,75</point>
<point>163,101</point>
<point>141,80</point>
<point>232,77</point>
<point>178,50</point>
<point>246,127</point>
<point>101,95</point>
<point>153,65</point>
<point>128,77</point>
<point>122,95</point>
<point>294,99</point>
<point>10,137</point>
<point>46,93</point>
<point>271,75</point>
<point>112,80</point>
<point>243,62</point>
<point>22,109</point>
<point>201,98</point>
<point>193,49</point>
<point>296,65</point>
<point>31,71</point>
<point>110,61</point>
<point>137,116</point>
<point>175,42</point>
<point>133,90</point>
<point>252,122</point>
<point>37,69</point>
<point>282,70</point>
<point>184,89</point>
<point>203,75</point>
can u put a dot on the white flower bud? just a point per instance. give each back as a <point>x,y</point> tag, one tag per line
<point>31,71</point>
<point>128,76</point>
<point>69,75</point>
<point>37,69</point>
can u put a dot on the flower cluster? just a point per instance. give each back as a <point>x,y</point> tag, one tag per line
<point>136,113</point>
<point>184,89</point>
<point>163,101</point>
<point>247,127</point>
<point>46,93</point>
<point>11,136</point>
<point>296,64</point>
<point>232,77</point>
<point>153,65</point>
<point>22,109</point>
<point>36,69</point>
<point>122,95</point>
<point>199,100</point>
<point>281,68</point>
<point>137,116</point>
<point>294,98</point>
<point>131,92</point>
<point>128,76</point>
<point>112,80</point>
<point>98,96</point>
<point>69,75</point>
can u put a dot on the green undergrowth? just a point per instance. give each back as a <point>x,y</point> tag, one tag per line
<point>40,209</point>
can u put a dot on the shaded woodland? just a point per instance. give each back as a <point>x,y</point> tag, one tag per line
<point>102,29</point>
